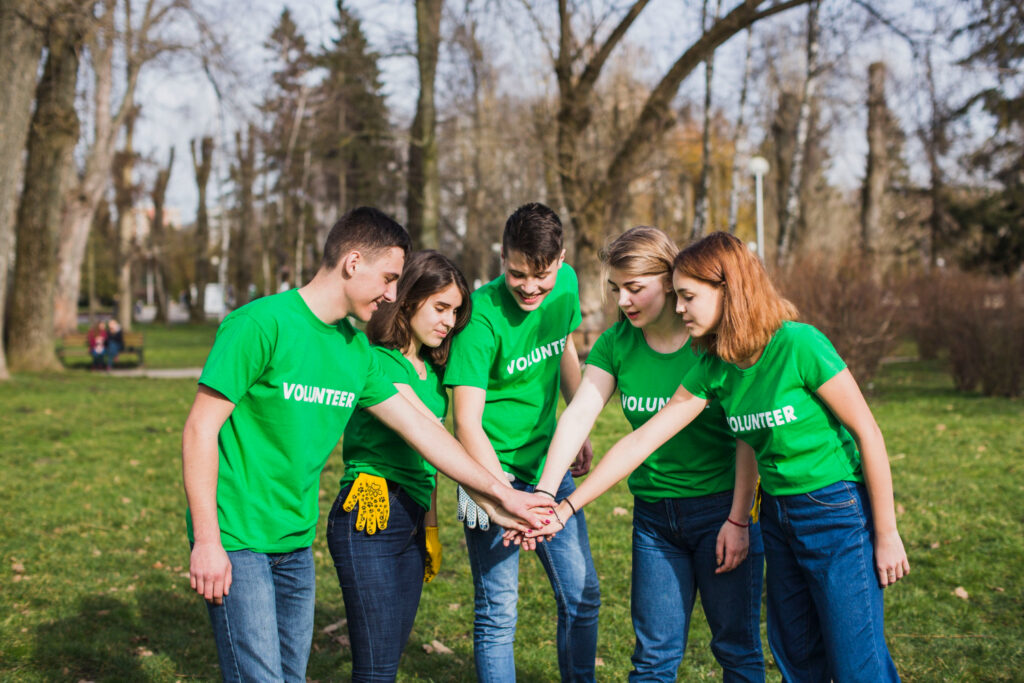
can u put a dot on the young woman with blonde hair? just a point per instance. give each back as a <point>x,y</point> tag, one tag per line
<point>691,526</point>
<point>827,516</point>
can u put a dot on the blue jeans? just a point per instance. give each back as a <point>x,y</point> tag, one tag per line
<point>674,542</point>
<point>381,577</point>
<point>570,569</point>
<point>265,626</point>
<point>825,617</point>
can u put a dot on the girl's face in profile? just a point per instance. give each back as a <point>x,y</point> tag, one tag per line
<point>700,304</point>
<point>434,319</point>
<point>641,298</point>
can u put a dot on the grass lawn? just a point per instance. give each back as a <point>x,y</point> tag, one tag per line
<point>93,578</point>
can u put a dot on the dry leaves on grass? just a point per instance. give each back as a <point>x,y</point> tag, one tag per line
<point>331,628</point>
<point>436,647</point>
<point>961,593</point>
<point>619,512</point>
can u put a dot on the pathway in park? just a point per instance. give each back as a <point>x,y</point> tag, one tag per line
<point>163,373</point>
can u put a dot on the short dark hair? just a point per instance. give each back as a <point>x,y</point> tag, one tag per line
<point>535,231</point>
<point>425,273</point>
<point>363,229</point>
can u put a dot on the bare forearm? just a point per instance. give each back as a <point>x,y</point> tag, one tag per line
<point>746,480</point>
<point>200,463</point>
<point>878,478</point>
<point>573,428</point>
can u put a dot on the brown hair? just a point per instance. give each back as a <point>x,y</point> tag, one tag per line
<point>426,273</point>
<point>535,231</point>
<point>364,228</point>
<point>643,250</point>
<point>752,309</point>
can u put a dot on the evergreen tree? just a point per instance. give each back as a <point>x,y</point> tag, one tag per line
<point>353,138</point>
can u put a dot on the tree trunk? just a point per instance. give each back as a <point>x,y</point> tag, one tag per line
<point>202,165</point>
<point>21,44</point>
<point>51,142</point>
<point>702,209</point>
<point>124,190</point>
<point>739,140</point>
<point>246,177</point>
<point>877,174</point>
<point>157,240</point>
<point>791,200</point>
<point>424,187</point>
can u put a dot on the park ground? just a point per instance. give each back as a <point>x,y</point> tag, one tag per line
<point>94,567</point>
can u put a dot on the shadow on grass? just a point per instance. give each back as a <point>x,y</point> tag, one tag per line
<point>164,635</point>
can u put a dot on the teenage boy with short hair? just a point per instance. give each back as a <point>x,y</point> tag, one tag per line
<point>283,377</point>
<point>505,369</point>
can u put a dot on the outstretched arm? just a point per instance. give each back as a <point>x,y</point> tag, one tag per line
<point>441,450</point>
<point>570,377</point>
<point>844,398</point>
<point>631,450</point>
<point>209,566</point>
<point>574,425</point>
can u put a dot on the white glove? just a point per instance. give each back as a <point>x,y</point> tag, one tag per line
<point>471,513</point>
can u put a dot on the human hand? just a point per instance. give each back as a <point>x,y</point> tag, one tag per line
<point>581,465</point>
<point>209,571</point>
<point>731,547</point>
<point>433,565</point>
<point>524,511</point>
<point>371,493</point>
<point>891,561</point>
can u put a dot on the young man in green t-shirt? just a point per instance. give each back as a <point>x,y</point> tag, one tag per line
<point>283,377</point>
<point>506,368</point>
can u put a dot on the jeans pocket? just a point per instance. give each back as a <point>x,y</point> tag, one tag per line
<point>834,496</point>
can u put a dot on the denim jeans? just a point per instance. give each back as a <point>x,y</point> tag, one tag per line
<point>381,577</point>
<point>265,626</point>
<point>674,542</point>
<point>570,569</point>
<point>825,617</point>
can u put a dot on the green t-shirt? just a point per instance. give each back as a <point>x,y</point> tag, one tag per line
<point>371,447</point>
<point>295,381</point>
<point>800,445</point>
<point>514,355</point>
<point>700,459</point>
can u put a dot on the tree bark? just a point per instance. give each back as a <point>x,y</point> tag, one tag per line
<point>791,200</point>
<point>424,187</point>
<point>157,240</point>
<point>702,209</point>
<point>246,177</point>
<point>51,142</point>
<point>201,164</point>
<point>738,140</point>
<point>21,44</point>
<point>877,174</point>
<point>124,191</point>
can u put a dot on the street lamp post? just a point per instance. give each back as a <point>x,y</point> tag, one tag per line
<point>759,167</point>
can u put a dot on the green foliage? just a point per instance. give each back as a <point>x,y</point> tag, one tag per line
<point>93,574</point>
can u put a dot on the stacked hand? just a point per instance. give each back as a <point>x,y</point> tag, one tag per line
<point>371,493</point>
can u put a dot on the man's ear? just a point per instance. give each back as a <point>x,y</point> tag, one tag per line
<point>350,263</point>
<point>561,260</point>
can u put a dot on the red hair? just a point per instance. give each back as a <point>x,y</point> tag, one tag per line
<point>752,309</point>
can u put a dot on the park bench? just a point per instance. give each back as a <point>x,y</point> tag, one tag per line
<point>75,344</point>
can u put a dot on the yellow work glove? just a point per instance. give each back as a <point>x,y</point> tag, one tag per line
<point>755,510</point>
<point>433,565</point>
<point>371,492</point>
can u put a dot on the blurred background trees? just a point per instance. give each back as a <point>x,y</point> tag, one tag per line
<point>893,131</point>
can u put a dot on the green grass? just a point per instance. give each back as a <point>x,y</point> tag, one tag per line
<point>182,345</point>
<point>93,574</point>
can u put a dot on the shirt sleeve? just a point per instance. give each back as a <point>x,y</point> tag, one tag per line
<point>378,387</point>
<point>698,380</point>
<point>573,284</point>
<point>472,355</point>
<point>241,353</point>
<point>601,353</point>
<point>816,357</point>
